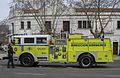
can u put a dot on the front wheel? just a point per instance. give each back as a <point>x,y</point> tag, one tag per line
<point>27,60</point>
<point>86,61</point>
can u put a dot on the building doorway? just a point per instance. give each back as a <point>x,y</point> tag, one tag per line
<point>66,26</point>
<point>115,48</point>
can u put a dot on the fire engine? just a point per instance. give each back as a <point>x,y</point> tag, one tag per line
<point>71,48</point>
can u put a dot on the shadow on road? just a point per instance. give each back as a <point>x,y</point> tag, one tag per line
<point>65,66</point>
<point>59,65</point>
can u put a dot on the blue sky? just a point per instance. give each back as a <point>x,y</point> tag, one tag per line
<point>4,9</point>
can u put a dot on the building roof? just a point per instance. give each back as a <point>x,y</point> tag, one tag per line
<point>96,9</point>
<point>27,11</point>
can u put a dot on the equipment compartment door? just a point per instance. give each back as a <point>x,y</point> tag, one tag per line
<point>60,51</point>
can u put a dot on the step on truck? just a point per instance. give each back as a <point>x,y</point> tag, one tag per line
<point>71,48</point>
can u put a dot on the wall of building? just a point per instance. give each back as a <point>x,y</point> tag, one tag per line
<point>111,30</point>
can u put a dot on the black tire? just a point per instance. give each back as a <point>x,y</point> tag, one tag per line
<point>27,60</point>
<point>86,61</point>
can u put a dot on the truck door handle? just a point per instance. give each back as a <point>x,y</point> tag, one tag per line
<point>59,54</point>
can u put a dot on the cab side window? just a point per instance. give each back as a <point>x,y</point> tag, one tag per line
<point>41,40</point>
<point>17,41</point>
<point>28,40</point>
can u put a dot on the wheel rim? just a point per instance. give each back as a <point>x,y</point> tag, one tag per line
<point>86,61</point>
<point>26,61</point>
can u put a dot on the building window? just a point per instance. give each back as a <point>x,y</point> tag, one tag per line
<point>28,24</point>
<point>118,24</point>
<point>89,24</point>
<point>79,24</point>
<point>12,28</point>
<point>22,25</point>
<point>48,26</point>
<point>84,24</point>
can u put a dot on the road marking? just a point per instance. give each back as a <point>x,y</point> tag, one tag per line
<point>113,76</point>
<point>93,69</point>
<point>36,74</point>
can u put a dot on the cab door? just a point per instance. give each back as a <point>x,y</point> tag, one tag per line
<point>59,53</point>
<point>17,46</point>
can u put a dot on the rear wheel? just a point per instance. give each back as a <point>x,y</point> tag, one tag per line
<point>86,61</point>
<point>27,60</point>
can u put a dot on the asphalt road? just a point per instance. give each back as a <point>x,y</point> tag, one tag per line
<point>48,70</point>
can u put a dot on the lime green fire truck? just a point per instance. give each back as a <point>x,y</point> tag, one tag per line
<point>32,49</point>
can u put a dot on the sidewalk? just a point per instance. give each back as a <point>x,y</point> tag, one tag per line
<point>116,57</point>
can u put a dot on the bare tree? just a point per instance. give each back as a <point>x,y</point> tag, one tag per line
<point>94,11</point>
<point>4,30</point>
<point>38,9</point>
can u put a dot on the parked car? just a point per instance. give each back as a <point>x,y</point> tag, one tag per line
<point>3,48</point>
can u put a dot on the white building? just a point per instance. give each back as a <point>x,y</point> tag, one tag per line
<point>74,21</point>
